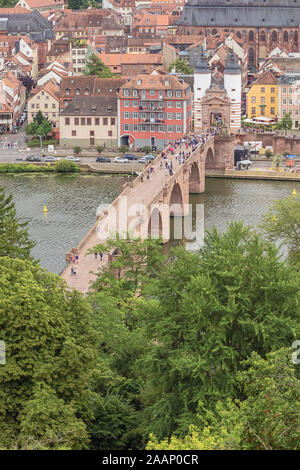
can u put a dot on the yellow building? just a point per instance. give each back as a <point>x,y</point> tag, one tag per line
<point>262,98</point>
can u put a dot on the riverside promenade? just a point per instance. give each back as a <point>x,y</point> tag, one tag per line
<point>162,189</point>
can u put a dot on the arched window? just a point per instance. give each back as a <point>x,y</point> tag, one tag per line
<point>67,91</point>
<point>86,91</point>
<point>214,32</point>
<point>251,56</point>
<point>262,36</point>
<point>251,36</point>
<point>238,34</point>
<point>274,36</point>
<point>296,37</point>
<point>285,36</point>
<point>77,91</point>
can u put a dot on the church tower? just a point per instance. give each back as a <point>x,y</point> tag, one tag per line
<point>202,82</point>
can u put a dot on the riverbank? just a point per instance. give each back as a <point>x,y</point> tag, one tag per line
<point>255,174</point>
<point>58,167</point>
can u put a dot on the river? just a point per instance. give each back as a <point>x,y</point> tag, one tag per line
<point>72,202</point>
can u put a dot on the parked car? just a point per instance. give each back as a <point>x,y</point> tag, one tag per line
<point>120,160</point>
<point>73,159</point>
<point>51,158</point>
<point>149,156</point>
<point>103,160</point>
<point>143,160</point>
<point>32,158</point>
<point>129,156</point>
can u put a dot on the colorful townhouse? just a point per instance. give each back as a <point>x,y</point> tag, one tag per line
<point>262,98</point>
<point>153,110</point>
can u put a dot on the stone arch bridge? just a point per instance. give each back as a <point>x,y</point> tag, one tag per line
<point>144,207</point>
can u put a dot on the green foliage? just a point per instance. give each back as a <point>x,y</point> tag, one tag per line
<point>66,166</point>
<point>181,66</point>
<point>40,126</point>
<point>282,223</point>
<point>50,353</point>
<point>286,122</point>
<point>146,149</point>
<point>204,315</point>
<point>77,150</point>
<point>14,239</point>
<point>268,153</point>
<point>36,142</point>
<point>95,66</point>
<point>267,418</point>
<point>99,148</point>
<point>30,168</point>
<point>277,160</point>
<point>78,4</point>
<point>123,148</point>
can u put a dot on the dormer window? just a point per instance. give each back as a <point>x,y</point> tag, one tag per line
<point>86,91</point>
<point>67,91</point>
<point>77,91</point>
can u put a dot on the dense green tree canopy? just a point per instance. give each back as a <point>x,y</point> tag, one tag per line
<point>14,239</point>
<point>205,314</point>
<point>95,66</point>
<point>40,126</point>
<point>181,66</point>
<point>50,351</point>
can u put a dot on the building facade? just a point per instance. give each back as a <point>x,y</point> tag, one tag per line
<point>89,121</point>
<point>289,97</point>
<point>153,110</point>
<point>262,98</point>
<point>46,100</point>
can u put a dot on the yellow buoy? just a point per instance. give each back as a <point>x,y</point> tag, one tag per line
<point>294,192</point>
<point>45,209</point>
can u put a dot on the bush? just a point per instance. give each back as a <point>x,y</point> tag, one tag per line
<point>99,148</point>
<point>77,150</point>
<point>24,168</point>
<point>123,148</point>
<point>147,149</point>
<point>36,142</point>
<point>66,166</point>
<point>268,153</point>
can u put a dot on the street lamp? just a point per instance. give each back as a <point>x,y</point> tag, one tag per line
<point>41,143</point>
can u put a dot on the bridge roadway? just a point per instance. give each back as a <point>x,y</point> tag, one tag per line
<point>144,192</point>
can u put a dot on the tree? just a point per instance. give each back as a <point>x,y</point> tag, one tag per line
<point>14,238</point>
<point>77,150</point>
<point>282,224</point>
<point>27,81</point>
<point>286,123</point>
<point>78,4</point>
<point>268,417</point>
<point>277,160</point>
<point>99,148</point>
<point>50,353</point>
<point>95,66</point>
<point>181,66</point>
<point>204,315</point>
<point>40,126</point>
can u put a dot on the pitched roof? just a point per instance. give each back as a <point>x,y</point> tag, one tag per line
<point>91,106</point>
<point>156,82</point>
<point>266,79</point>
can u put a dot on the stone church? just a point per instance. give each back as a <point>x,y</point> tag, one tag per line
<point>261,24</point>
<point>217,97</point>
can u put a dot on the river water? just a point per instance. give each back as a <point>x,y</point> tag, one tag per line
<point>72,202</point>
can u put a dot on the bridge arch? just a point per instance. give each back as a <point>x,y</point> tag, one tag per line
<point>176,200</point>
<point>155,225</point>
<point>194,179</point>
<point>209,159</point>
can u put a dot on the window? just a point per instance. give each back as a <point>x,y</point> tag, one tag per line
<point>32,106</point>
<point>143,127</point>
<point>73,133</point>
<point>82,121</point>
<point>284,101</point>
<point>97,121</point>
<point>272,110</point>
<point>152,93</point>
<point>105,121</point>
<point>86,91</point>
<point>178,93</point>
<point>262,90</point>
<point>135,104</point>
<point>274,36</point>
<point>251,36</point>
<point>135,115</point>
<point>290,101</point>
<point>262,111</point>
<point>262,100</point>
<point>76,121</point>
<point>169,104</point>
<point>272,90</point>
<point>125,92</point>
<point>253,99</point>
<point>77,91</point>
<point>92,133</point>
<point>161,128</point>
<point>53,106</point>
<point>170,128</point>
<point>125,127</point>
<point>178,129</point>
<point>178,116</point>
<point>272,99</point>
<point>290,90</point>
<point>152,128</point>
<point>169,116</point>
<point>89,121</point>
<point>67,91</point>
<point>296,112</point>
<point>112,121</point>
<point>67,121</point>
<point>135,127</point>
<point>134,93</point>
<point>253,110</point>
<point>178,104</point>
<point>285,36</point>
<point>109,133</point>
<point>126,103</point>
<point>169,93</point>
<point>126,115</point>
